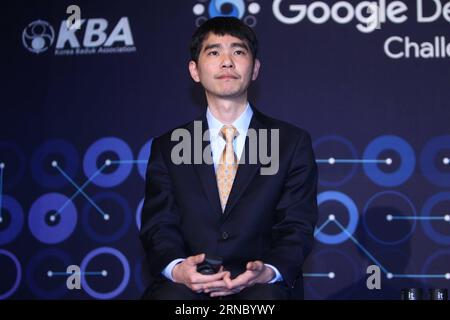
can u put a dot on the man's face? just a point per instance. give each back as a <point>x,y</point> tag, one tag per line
<point>225,67</point>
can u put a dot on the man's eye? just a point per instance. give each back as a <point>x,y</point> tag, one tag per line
<point>239,52</point>
<point>213,53</point>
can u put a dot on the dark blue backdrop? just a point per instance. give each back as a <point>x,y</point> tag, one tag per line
<point>384,121</point>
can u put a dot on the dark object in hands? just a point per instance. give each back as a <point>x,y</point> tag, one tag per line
<point>210,265</point>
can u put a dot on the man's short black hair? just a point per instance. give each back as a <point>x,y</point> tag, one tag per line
<point>223,26</point>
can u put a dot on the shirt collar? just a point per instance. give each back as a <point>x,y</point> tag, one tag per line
<point>241,123</point>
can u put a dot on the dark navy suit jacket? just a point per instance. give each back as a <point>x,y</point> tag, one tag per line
<point>267,217</point>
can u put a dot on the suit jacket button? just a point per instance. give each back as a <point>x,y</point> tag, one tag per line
<point>224,235</point>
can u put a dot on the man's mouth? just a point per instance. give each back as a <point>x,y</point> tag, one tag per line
<point>227,76</point>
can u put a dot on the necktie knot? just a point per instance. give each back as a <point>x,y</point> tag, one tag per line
<point>229,132</point>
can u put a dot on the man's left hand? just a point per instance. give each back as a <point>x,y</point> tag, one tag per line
<point>257,272</point>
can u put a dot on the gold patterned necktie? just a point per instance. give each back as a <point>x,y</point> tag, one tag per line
<point>227,167</point>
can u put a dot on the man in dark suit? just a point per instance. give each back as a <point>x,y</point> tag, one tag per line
<point>206,194</point>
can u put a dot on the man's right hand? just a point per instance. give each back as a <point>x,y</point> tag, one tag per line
<point>186,272</point>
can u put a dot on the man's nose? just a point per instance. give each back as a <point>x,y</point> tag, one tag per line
<point>227,62</point>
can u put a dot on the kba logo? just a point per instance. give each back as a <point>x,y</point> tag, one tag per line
<point>93,37</point>
<point>38,36</point>
<point>95,34</point>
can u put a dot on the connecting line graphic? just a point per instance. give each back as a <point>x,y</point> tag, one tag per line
<point>390,217</point>
<point>389,275</point>
<point>387,161</point>
<point>127,161</point>
<point>51,273</point>
<point>79,190</point>
<point>359,245</point>
<point>2,167</point>
<point>321,227</point>
<point>90,179</point>
<point>330,275</point>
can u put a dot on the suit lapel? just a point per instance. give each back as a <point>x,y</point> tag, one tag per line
<point>207,175</point>
<point>246,171</point>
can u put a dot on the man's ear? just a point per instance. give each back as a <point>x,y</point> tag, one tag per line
<point>256,67</point>
<point>194,71</point>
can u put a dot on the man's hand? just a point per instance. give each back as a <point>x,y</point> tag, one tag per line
<point>186,273</point>
<point>257,272</point>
